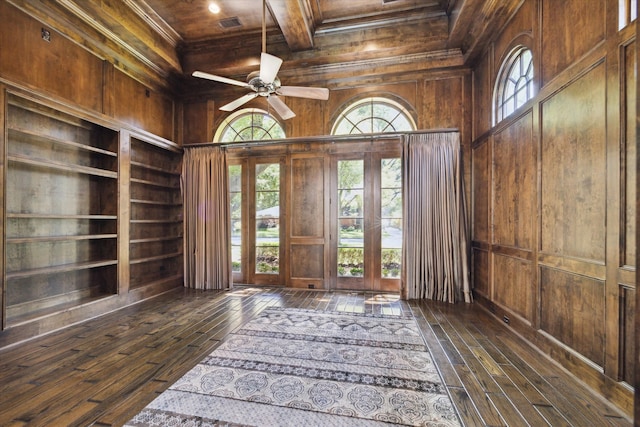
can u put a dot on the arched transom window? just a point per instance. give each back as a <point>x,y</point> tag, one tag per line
<point>514,86</point>
<point>250,124</point>
<point>373,115</point>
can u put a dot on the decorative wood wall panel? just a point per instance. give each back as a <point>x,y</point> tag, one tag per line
<point>140,107</point>
<point>304,109</point>
<point>514,185</point>
<point>514,284</point>
<point>569,32</point>
<point>573,220</point>
<point>443,102</point>
<point>483,81</point>
<point>627,336</point>
<point>629,147</point>
<point>307,197</point>
<point>481,186</point>
<point>195,118</point>
<point>481,283</point>
<point>307,261</point>
<point>481,236</point>
<point>572,311</point>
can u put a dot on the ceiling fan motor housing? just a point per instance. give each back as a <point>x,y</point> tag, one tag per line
<point>261,87</point>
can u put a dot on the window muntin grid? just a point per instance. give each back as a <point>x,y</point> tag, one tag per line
<point>515,86</point>
<point>373,115</point>
<point>250,124</point>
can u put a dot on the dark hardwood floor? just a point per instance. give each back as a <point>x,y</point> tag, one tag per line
<point>105,370</point>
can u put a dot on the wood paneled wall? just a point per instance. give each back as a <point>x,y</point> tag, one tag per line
<point>554,191</point>
<point>436,100</point>
<point>138,106</point>
<point>57,178</point>
<point>64,70</point>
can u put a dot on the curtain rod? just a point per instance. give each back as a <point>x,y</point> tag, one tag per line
<point>327,138</point>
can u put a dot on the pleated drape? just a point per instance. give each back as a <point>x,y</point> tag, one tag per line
<point>434,255</point>
<point>207,234</point>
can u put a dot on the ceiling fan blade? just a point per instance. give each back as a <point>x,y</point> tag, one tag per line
<point>281,108</point>
<point>238,102</point>
<point>304,92</point>
<point>215,78</point>
<point>269,67</point>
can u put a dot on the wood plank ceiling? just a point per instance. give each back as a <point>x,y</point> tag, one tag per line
<point>161,42</point>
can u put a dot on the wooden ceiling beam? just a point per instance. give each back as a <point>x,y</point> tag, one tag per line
<point>294,17</point>
<point>461,18</point>
<point>489,19</point>
<point>233,55</point>
<point>118,22</point>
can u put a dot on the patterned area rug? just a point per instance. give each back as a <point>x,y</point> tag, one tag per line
<point>295,367</point>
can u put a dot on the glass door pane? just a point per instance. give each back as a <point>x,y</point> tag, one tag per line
<point>235,201</point>
<point>391,217</point>
<point>351,218</point>
<point>267,218</point>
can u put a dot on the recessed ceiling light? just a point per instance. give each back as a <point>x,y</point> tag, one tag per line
<point>214,8</point>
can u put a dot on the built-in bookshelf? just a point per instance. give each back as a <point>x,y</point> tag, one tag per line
<point>61,211</point>
<point>155,246</point>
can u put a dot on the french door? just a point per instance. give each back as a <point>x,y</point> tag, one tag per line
<point>256,230</point>
<point>366,221</point>
<point>327,220</point>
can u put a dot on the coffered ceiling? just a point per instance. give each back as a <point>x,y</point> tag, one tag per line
<point>161,42</point>
<point>297,20</point>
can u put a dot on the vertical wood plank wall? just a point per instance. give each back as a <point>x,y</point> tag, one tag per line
<point>554,191</point>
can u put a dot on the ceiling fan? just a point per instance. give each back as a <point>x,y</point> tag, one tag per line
<point>266,83</point>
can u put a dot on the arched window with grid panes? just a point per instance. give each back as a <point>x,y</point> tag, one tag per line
<point>515,84</point>
<point>373,115</point>
<point>249,124</point>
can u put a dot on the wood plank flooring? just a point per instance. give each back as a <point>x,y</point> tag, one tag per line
<point>103,371</point>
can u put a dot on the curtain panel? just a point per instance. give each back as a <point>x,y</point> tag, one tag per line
<point>435,239</point>
<point>207,235</point>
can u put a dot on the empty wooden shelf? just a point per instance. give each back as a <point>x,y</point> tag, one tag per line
<point>60,219</point>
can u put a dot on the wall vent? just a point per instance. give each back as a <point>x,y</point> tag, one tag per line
<point>230,22</point>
